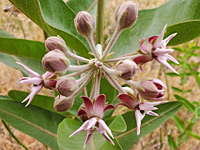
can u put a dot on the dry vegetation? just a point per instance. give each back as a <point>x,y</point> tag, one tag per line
<point>22,27</point>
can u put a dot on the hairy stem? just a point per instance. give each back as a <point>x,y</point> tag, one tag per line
<point>75,73</point>
<point>92,46</point>
<point>79,68</point>
<point>111,42</point>
<point>122,58</point>
<point>100,21</point>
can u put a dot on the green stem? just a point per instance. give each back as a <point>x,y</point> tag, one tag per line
<point>8,129</point>
<point>100,21</point>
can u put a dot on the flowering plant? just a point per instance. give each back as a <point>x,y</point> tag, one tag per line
<point>98,73</point>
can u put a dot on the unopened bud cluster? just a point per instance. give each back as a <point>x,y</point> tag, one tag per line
<point>69,80</point>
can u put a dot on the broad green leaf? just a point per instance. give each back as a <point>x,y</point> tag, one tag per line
<point>150,22</point>
<point>68,126</point>
<point>45,102</point>
<point>186,103</point>
<point>118,124</point>
<point>149,123</point>
<point>36,122</point>
<point>186,31</point>
<point>80,5</point>
<point>179,123</point>
<point>22,48</point>
<point>171,142</point>
<point>56,18</point>
<point>3,97</point>
<point>4,34</point>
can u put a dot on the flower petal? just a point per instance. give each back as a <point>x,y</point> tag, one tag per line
<point>152,113</point>
<point>28,80</point>
<point>47,75</point>
<point>161,52</point>
<point>155,103</point>
<point>152,39</point>
<point>107,137</point>
<point>166,41</point>
<point>108,107</point>
<point>99,104</point>
<point>139,118</point>
<point>31,72</point>
<point>163,60</point>
<point>171,58</point>
<point>89,135</point>
<point>88,106</point>
<point>159,42</point>
<point>146,107</point>
<point>82,128</point>
<point>92,123</point>
<point>103,126</point>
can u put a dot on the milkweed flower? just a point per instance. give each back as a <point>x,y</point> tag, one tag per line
<point>141,108</point>
<point>47,80</point>
<point>156,49</point>
<point>94,112</point>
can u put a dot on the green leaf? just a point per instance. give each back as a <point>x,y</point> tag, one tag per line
<point>151,22</point>
<point>68,126</point>
<point>56,18</point>
<point>179,123</point>
<point>194,135</point>
<point>3,97</point>
<point>186,31</point>
<point>177,89</point>
<point>197,80</point>
<point>80,5</point>
<point>22,48</point>
<point>186,103</point>
<point>171,142</point>
<point>118,124</point>
<point>4,34</point>
<point>36,122</point>
<point>149,123</point>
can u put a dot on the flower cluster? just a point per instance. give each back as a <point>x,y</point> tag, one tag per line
<point>56,63</point>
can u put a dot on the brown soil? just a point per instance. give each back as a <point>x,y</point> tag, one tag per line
<point>22,27</point>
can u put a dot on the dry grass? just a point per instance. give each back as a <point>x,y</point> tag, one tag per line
<point>22,27</point>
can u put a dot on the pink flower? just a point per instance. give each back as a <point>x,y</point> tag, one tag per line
<point>94,114</point>
<point>151,89</point>
<point>47,80</point>
<point>156,48</point>
<point>141,108</point>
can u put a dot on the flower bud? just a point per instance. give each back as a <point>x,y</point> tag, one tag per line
<point>56,62</point>
<point>126,14</point>
<point>66,86</point>
<point>84,23</point>
<point>126,69</point>
<point>63,103</point>
<point>51,43</point>
<point>151,89</point>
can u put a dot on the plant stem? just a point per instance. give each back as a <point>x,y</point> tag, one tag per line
<point>100,21</point>
<point>92,143</point>
<point>8,129</point>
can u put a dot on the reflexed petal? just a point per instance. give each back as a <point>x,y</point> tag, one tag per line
<point>171,58</point>
<point>81,112</point>
<point>92,123</point>
<point>103,126</point>
<point>142,59</point>
<point>146,107</point>
<point>106,136</point>
<point>139,118</point>
<point>47,75</point>
<point>128,100</point>
<point>155,103</point>
<point>169,38</point>
<point>152,113</point>
<point>28,80</point>
<point>31,72</point>
<point>34,91</point>
<point>163,60</point>
<point>88,106</point>
<point>89,135</point>
<point>98,107</point>
<point>159,42</point>
<point>82,128</point>
<point>161,52</point>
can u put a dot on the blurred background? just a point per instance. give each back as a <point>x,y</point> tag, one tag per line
<point>22,27</point>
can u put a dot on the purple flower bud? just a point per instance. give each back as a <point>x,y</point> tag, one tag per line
<point>84,23</point>
<point>126,14</point>
<point>63,103</point>
<point>51,43</point>
<point>126,69</point>
<point>66,86</point>
<point>151,89</point>
<point>56,62</point>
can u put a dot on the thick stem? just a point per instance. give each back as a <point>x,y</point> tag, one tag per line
<point>114,83</point>
<point>93,88</point>
<point>98,81</point>
<point>129,82</point>
<point>122,58</point>
<point>100,21</point>
<point>92,46</point>
<point>111,42</point>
